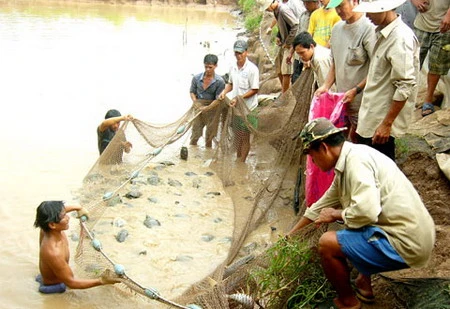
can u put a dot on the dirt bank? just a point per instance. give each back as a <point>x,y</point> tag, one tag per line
<point>417,160</point>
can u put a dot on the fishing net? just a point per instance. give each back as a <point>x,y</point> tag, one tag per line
<point>123,190</point>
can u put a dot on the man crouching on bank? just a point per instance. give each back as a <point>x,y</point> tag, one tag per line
<point>387,226</point>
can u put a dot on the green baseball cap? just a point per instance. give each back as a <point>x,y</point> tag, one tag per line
<point>333,3</point>
<point>317,130</point>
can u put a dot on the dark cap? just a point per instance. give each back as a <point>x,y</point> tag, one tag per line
<point>317,130</point>
<point>112,113</point>
<point>240,46</point>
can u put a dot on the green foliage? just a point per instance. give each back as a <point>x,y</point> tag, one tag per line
<point>401,147</point>
<point>252,14</point>
<point>293,277</point>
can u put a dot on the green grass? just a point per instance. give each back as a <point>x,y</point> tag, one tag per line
<point>252,13</point>
<point>401,147</point>
<point>293,277</point>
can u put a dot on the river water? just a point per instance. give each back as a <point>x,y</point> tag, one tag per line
<point>62,66</point>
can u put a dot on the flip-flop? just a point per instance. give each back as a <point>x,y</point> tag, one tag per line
<point>427,109</point>
<point>363,298</point>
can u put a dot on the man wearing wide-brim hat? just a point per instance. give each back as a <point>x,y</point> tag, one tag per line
<point>390,92</point>
<point>386,225</point>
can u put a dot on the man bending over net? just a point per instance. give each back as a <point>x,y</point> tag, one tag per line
<point>55,272</point>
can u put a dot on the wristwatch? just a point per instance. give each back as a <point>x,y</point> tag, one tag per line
<point>358,89</point>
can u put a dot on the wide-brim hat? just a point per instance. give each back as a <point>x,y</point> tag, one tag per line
<point>377,6</point>
<point>317,130</point>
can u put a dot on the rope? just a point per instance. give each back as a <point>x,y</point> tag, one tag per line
<point>264,45</point>
<point>120,271</point>
<point>118,268</point>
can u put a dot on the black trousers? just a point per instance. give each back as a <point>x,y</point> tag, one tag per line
<point>388,148</point>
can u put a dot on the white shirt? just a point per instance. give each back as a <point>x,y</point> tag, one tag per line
<point>243,80</point>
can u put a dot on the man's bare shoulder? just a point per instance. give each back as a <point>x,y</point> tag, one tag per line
<point>52,248</point>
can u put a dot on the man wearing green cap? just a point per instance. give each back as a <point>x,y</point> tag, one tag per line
<point>352,41</point>
<point>387,226</point>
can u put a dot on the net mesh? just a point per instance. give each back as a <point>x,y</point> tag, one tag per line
<point>117,178</point>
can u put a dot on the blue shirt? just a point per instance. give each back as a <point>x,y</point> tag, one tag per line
<point>211,92</point>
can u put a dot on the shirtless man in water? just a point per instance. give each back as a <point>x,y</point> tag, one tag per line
<point>54,254</point>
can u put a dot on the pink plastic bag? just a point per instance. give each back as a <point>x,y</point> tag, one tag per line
<point>328,105</point>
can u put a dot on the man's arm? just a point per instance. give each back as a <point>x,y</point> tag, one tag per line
<point>193,89</point>
<point>329,81</point>
<point>292,22</point>
<point>421,5</point>
<point>228,88</point>
<point>445,24</point>
<point>351,93</point>
<point>300,224</point>
<point>382,133</point>
<point>110,121</point>
<point>246,95</point>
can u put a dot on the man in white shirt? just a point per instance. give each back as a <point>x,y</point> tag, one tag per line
<point>244,83</point>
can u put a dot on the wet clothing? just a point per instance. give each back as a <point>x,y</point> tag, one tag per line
<point>212,92</point>
<point>209,119</point>
<point>104,138</point>
<point>51,288</point>
<point>373,191</point>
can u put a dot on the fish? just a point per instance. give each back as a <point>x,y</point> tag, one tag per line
<point>151,222</point>
<point>242,299</point>
<point>122,235</point>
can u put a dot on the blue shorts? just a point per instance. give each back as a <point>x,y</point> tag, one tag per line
<point>50,289</point>
<point>369,250</point>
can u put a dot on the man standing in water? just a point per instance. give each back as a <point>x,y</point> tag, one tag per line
<point>244,82</point>
<point>205,88</point>
<point>55,272</point>
<point>106,132</point>
<point>108,128</point>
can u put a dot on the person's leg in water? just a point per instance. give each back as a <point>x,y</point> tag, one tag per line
<point>238,144</point>
<point>245,145</point>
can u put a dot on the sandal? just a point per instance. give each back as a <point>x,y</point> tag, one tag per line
<point>427,109</point>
